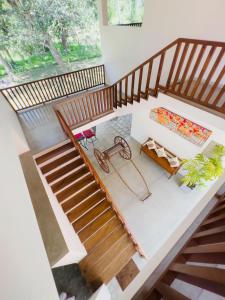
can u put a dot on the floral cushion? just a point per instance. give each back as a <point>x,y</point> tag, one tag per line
<point>174,162</point>
<point>151,144</point>
<point>161,152</point>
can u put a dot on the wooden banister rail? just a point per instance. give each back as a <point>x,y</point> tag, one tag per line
<point>192,70</point>
<point>206,246</point>
<point>44,90</point>
<point>69,133</point>
<point>87,107</point>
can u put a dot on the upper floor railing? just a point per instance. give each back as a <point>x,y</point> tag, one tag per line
<point>41,91</point>
<point>193,70</point>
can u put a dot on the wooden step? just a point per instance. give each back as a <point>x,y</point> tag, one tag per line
<point>61,160</point>
<point>69,179</point>
<point>214,219</point>
<point>79,197</point>
<point>117,264</point>
<point>209,232</point>
<point>49,155</point>
<point>102,248</point>
<point>85,206</point>
<point>169,293</point>
<point>91,215</point>
<point>96,225</point>
<point>105,260</point>
<point>64,170</point>
<point>74,188</point>
<point>208,248</point>
<point>101,234</point>
<point>217,210</point>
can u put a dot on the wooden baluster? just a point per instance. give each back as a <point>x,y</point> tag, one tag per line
<point>159,74</point>
<point>202,73</point>
<point>147,87</point>
<point>187,68</point>
<point>173,65</point>
<point>126,90</point>
<point>215,85</point>
<point>132,87</point>
<point>219,96</point>
<point>180,65</point>
<point>120,93</point>
<point>197,63</point>
<point>140,84</point>
<point>115,96</point>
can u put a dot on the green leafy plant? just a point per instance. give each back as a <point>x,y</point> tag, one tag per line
<point>202,168</point>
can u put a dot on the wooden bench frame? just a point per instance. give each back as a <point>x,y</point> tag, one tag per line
<point>162,161</point>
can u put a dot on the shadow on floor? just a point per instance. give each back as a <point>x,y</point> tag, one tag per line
<point>68,279</point>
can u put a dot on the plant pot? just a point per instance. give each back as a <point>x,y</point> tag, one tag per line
<point>186,188</point>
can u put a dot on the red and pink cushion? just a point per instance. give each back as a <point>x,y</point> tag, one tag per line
<point>89,133</point>
<point>79,136</point>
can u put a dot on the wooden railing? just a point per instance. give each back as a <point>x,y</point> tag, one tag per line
<point>200,262</point>
<point>130,24</point>
<point>69,133</point>
<point>41,91</point>
<point>86,108</point>
<point>192,70</point>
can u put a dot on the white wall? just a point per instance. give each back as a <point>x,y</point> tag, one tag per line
<point>25,271</point>
<point>144,127</point>
<point>164,21</point>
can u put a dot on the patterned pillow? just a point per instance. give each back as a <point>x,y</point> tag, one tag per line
<point>174,162</point>
<point>151,144</point>
<point>161,152</point>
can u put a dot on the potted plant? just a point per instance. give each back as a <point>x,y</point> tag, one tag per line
<point>202,168</point>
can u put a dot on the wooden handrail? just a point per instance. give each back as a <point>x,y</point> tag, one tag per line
<point>88,163</point>
<point>184,68</point>
<point>40,91</point>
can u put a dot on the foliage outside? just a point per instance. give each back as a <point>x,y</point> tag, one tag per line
<point>125,11</point>
<point>202,169</point>
<point>34,33</point>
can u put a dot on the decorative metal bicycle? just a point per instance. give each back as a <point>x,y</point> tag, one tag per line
<point>120,146</point>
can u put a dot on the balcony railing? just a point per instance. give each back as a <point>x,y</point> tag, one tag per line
<point>41,91</point>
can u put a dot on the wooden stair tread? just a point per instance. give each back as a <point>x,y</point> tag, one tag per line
<point>96,225</point>
<point>72,189</point>
<point>57,162</point>
<point>117,264</point>
<point>104,261</point>
<point>91,215</point>
<point>102,247</point>
<point>79,197</point>
<point>85,206</point>
<point>101,234</point>
<point>214,219</point>
<point>53,153</point>
<point>169,293</point>
<point>69,179</point>
<point>208,232</point>
<point>64,170</point>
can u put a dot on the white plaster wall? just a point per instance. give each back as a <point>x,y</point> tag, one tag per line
<point>144,127</point>
<point>164,21</point>
<point>25,271</point>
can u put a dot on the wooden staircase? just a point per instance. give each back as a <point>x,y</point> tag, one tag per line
<point>90,210</point>
<point>199,263</point>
